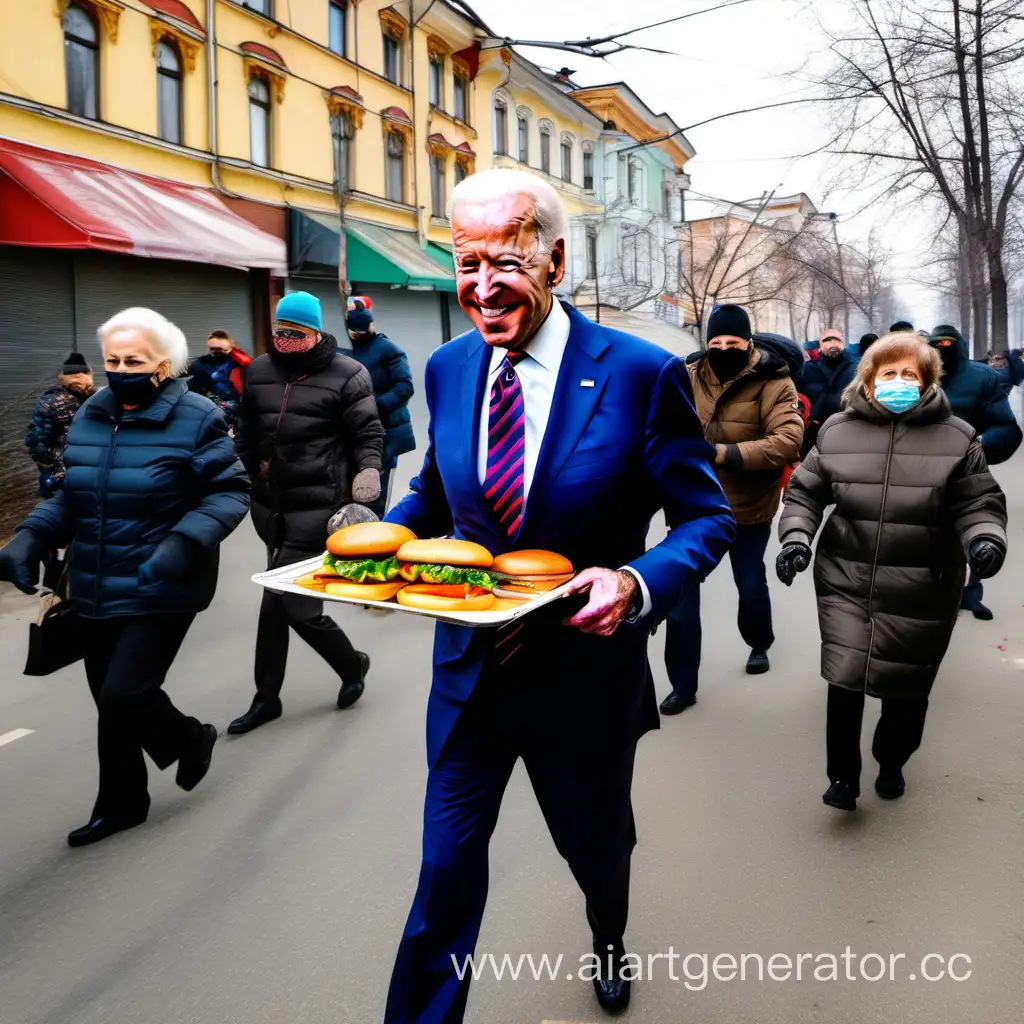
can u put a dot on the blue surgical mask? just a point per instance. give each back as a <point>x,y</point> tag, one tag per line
<point>897,395</point>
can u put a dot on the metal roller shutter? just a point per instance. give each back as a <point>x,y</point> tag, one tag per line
<point>197,298</point>
<point>36,317</point>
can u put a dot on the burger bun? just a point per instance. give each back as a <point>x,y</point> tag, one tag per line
<point>446,551</point>
<point>364,591</point>
<point>532,562</point>
<point>366,540</point>
<point>426,598</point>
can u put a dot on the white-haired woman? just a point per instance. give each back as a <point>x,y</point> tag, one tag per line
<point>152,488</point>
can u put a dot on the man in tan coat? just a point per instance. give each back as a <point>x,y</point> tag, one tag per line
<point>747,403</point>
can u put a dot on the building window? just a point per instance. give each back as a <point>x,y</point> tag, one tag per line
<point>460,172</point>
<point>438,186</point>
<point>81,62</point>
<point>437,82</point>
<point>394,176</point>
<point>392,58</point>
<point>460,97</point>
<point>168,92</point>
<point>524,140</point>
<point>588,170</point>
<point>666,201</point>
<point>338,26</point>
<point>500,127</point>
<point>259,122</point>
<point>341,138</point>
<point>566,161</point>
<point>591,257</point>
<point>545,150</point>
<point>634,174</point>
<point>263,6</point>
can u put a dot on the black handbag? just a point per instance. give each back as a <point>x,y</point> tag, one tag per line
<point>56,638</point>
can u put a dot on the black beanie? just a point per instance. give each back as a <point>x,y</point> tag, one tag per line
<point>729,320</point>
<point>75,363</point>
<point>867,341</point>
<point>901,325</point>
<point>943,332</point>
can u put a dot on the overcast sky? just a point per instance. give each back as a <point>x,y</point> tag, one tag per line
<point>731,59</point>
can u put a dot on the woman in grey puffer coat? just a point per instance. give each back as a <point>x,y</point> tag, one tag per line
<point>915,504</point>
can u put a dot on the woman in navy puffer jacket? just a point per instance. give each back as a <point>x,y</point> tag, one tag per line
<point>152,488</point>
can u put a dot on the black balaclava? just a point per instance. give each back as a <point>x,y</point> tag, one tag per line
<point>727,363</point>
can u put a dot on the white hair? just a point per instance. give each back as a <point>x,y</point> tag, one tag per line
<point>167,337</point>
<point>549,215</point>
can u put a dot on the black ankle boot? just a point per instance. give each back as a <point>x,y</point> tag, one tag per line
<point>352,689</point>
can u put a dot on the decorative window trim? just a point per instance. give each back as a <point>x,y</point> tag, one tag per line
<point>256,68</point>
<point>588,146</point>
<point>546,126</point>
<point>187,45</point>
<point>108,13</point>
<point>567,138</point>
<point>466,158</point>
<point>525,112</point>
<point>391,122</point>
<point>345,100</point>
<point>439,146</point>
<point>393,24</point>
<point>438,48</point>
<point>461,67</point>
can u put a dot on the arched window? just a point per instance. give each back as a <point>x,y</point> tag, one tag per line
<point>566,149</point>
<point>259,122</point>
<point>394,166</point>
<point>342,134</point>
<point>168,92</point>
<point>545,147</point>
<point>500,127</point>
<point>81,62</point>
<point>524,138</point>
<point>588,166</point>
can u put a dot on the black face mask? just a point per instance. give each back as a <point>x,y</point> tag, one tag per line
<point>727,363</point>
<point>950,357</point>
<point>832,360</point>
<point>133,388</point>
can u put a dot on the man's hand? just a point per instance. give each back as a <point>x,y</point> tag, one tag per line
<point>793,558</point>
<point>611,593</point>
<point>986,558</point>
<point>719,454</point>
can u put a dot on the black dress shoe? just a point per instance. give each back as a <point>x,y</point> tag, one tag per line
<point>352,689</point>
<point>612,993</point>
<point>195,763</point>
<point>982,612</point>
<point>677,703</point>
<point>890,783</point>
<point>102,828</point>
<point>261,712</point>
<point>842,796</point>
<point>757,663</point>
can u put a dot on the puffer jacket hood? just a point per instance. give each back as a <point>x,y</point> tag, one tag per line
<point>911,492</point>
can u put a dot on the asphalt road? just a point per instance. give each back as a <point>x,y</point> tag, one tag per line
<point>277,891</point>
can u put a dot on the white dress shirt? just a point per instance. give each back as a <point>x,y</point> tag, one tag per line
<point>538,374</point>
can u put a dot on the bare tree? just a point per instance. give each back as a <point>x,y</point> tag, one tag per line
<point>931,95</point>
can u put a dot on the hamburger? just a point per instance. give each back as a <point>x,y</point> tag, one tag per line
<point>360,562</point>
<point>446,575</point>
<point>532,571</point>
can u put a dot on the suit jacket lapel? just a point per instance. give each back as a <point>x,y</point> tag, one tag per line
<point>572,408</point>
<point>474,381</point>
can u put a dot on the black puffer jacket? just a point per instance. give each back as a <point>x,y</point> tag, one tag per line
<point>308,424</point>
<point>911,493</point>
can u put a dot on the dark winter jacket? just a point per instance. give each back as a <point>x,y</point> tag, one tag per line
<point>975,396</point>
<point>308,424</point>
<point>219,376</point>
<point>134,477</point>
<point>392,388</point>
<point>757,417</point>
<point>47,433</point>
<point>911,493</point>
<point>823,382</point>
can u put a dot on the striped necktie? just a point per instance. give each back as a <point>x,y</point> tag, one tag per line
<point>506,447</point>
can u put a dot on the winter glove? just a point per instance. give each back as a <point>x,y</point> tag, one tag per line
<point>793,558</point>
<point>19,561</point>
<point>366,486</point>
<point>985,558</point>
<point>348,515</point>
<point>174,559</point>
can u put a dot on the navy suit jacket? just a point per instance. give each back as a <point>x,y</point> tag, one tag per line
<point>622,441</point>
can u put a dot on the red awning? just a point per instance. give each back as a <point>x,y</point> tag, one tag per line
<point>58,201</point>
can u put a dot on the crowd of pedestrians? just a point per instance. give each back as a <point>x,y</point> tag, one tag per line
<point>891,440</point>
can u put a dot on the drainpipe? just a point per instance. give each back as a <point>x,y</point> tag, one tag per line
<point>211,96</point>
<point>420,233</point>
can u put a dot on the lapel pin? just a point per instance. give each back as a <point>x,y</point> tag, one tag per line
<point>586,383</point>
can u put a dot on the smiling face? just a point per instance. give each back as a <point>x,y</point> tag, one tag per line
<point>503,276</point>
<point>133,351</point>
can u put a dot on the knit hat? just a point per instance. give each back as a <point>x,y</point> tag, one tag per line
<point>75,363</point>
<point>901,325</point>
<point>729,320</point>
<point>866,341</point>
<point>943,332</point>
<point>359,316</point>
<point>300,308</point>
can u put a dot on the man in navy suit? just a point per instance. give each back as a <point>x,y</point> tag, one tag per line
<point>546,431</point>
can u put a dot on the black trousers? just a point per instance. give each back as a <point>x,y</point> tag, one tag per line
<point>584,795</point>
<point>280,613</point>
<point>126,663</point>
<point>897,735</point>
<point>683,629</point>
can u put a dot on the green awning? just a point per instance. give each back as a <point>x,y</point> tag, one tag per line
<point>376,254</point>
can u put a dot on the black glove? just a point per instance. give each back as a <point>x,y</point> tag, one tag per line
<point>793,558</point>
<point>174,560</point>
<point>985,558</point>
<point>19,561</point>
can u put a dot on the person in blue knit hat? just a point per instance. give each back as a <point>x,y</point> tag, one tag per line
<point>392,388</point>
<point>311,440</point>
